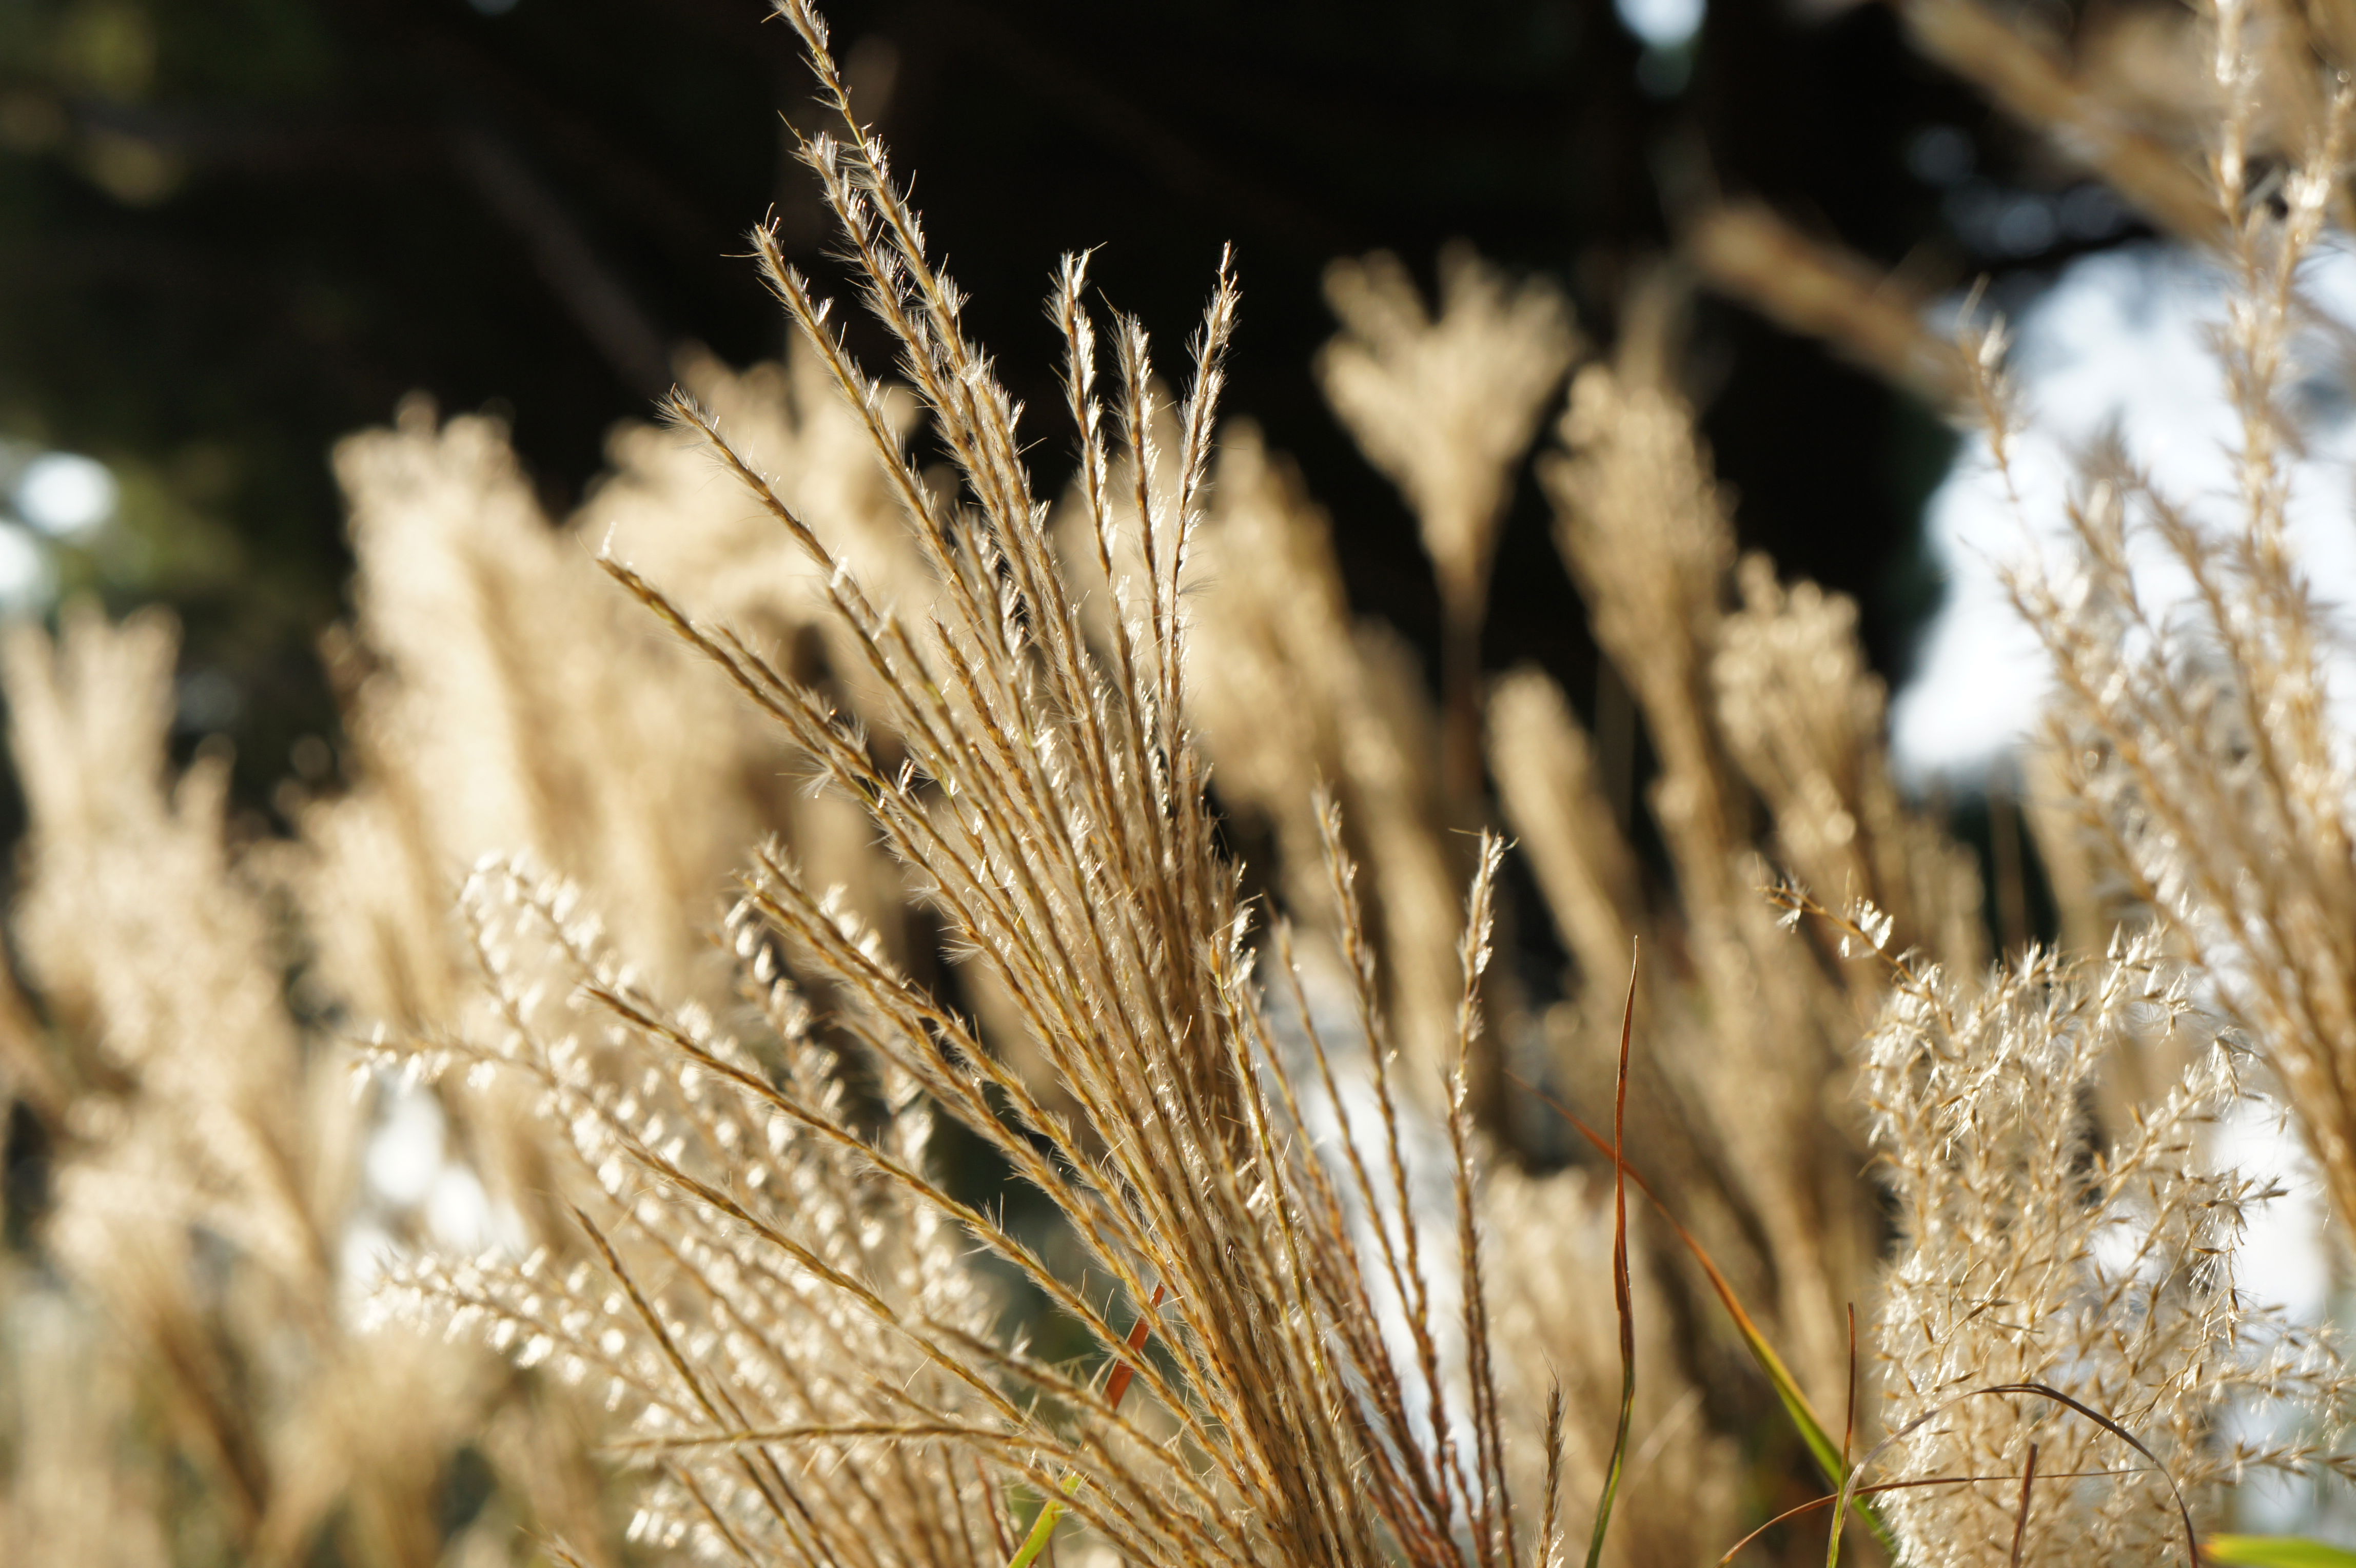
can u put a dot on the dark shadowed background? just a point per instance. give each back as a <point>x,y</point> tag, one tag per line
<point>231,231</point>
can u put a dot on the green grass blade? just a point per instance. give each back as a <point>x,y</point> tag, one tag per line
<point>1042,1527</point>
<point>2275,1552</point>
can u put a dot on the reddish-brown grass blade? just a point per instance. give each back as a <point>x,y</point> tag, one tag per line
<point>2021,1521</point>
<point>1623,1298</point>
<point>1117,1384</point>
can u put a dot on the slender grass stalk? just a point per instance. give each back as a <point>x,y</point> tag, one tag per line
<point>2020,1523</point>
<point>1623,1299</point>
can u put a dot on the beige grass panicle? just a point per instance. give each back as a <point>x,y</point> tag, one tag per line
<point>737,1266</point>
<point>210,1164</point>
<point>1647,538</point>
<point>2200,745</point>
<point>713,1130</point>
<point>1645,534</point>
<point>1806,721</point>
<point>2026,1257</point>
<point>1447,403</point>
<point>504,697</point>
<point>1544,766</point>
<point>663,506</point>
<point>1052,805</point>
<point>1273,631</point>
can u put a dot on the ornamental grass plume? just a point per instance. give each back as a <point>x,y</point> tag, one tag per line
<point>774,1332</point>
<point>872,1117</point>
<point>1052,805</point>
<point>2200,749</point>
<point>2036,1254</point>
<point>1446,404</point>
<point>198,1126</point>
<point>1271,626</point>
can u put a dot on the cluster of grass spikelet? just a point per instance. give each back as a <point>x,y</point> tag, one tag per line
<point>1003,1170</point>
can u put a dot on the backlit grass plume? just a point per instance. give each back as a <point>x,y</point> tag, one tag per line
<point>1054,808</point>
<point>771,1055</point>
